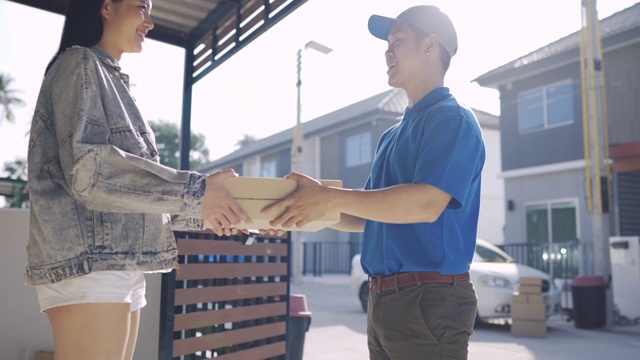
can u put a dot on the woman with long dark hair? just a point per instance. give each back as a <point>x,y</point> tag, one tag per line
<point>103,209</point>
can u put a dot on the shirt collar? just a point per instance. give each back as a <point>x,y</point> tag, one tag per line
<point>435,96</point>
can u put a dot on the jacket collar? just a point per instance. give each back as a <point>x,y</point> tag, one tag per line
<point>109,60</point>
<point>104,56</point>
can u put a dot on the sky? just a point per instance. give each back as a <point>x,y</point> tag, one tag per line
<point>254,92</point>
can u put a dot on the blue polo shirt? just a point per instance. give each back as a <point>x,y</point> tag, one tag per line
<point>437,142</point>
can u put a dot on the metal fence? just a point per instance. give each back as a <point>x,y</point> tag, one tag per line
<point>329,257</point>
<point>559,260</point>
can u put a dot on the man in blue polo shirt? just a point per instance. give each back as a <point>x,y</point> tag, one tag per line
<point>419,208</point>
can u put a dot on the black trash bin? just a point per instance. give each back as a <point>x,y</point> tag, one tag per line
<point>589,302</point>
<point>299,322</point>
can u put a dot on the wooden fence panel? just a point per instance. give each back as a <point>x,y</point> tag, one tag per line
<point>226,300</point>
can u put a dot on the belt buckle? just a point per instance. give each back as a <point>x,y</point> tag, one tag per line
<point>375,279</point>
<point>396,283</point>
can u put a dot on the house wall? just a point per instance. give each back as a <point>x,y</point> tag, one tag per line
<point>284,160</point>
<point>558,185</point>
<point>492,203</point>
<point>565,143</point>
<point>251,167</point>
<point>626,203</point>
<point>355,177</point>
<point>330,156</point>
<point>558,144</point>
<point>238,168</point>
<point>24,330</point>
<point>622,76</point>
<point>29,330</point>
<point>307,159</point>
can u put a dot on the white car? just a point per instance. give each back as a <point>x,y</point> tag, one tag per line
<point>495,277</point>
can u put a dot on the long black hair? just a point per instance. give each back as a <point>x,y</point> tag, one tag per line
<point>82,26</point>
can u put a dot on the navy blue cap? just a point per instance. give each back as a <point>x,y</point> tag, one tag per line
<point>426,17</point>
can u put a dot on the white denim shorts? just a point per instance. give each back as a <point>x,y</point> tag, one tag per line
<point>95,287</point>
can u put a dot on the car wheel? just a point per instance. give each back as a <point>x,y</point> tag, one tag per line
<point>478,321</point>
<point>364,296</point>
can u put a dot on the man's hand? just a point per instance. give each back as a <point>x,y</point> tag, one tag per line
<point>307,203</point>
<point>271,232</point>
<point>221,210</point>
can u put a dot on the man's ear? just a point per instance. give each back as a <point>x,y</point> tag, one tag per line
<point>430,43</point>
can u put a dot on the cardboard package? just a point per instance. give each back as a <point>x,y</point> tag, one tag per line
<point>530,285</point>
<point>528,310</point>
<point>254,193</point>
<point>530,281</point>
<point>44,355</point>
<point>529,328</point>
<point>527,298</point>
<point>529,289</point>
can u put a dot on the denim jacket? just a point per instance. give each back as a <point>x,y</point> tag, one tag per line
<point>100,199</point>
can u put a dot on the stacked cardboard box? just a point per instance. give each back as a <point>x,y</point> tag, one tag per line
<point>528,313</point>
<point>44,355</point>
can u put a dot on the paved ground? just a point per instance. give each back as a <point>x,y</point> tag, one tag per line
<point>338,332</point>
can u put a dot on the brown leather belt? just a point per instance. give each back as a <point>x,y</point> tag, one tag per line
<point>401,280</point>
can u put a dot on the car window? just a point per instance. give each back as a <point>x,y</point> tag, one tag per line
<point>485,254</point>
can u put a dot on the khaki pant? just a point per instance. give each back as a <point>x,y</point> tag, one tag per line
<point>430,321</point>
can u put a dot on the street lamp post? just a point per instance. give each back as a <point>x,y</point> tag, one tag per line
<point>298,132</point>
<point>296,157</point>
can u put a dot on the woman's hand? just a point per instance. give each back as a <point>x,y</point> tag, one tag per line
<point>221,211</point>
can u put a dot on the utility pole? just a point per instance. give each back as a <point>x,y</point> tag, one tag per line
<point>296,158</point>
<point>596,143</point>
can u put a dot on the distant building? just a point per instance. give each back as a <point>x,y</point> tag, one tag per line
<point>341,145</point>
<point>543,152</point>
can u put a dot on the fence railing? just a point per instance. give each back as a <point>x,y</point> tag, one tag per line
<point>559,260</point>
<point>329,257</point>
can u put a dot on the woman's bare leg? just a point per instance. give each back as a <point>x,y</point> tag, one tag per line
<point>97,331</point>
<point>134,324</point>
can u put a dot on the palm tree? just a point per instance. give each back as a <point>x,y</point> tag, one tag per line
<point>246,140</point>
<point>8,100</point>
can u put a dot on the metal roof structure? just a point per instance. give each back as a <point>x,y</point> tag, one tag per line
<point>211,31</point>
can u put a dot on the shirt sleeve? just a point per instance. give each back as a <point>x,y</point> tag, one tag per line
<point>451,156</point>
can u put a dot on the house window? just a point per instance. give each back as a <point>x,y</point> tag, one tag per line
<point>358,149</point>
<point>268,168</point>
<point>552,237</point>
<point>546,107</point>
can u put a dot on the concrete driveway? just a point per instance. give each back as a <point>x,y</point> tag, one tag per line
<point>338,332</point>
